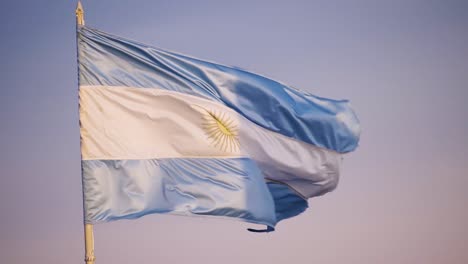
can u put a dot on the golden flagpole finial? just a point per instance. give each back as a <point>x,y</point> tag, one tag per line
<point>79,14</point>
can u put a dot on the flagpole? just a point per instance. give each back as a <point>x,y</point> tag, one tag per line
<point>89,244</point>
<point>88,228</point>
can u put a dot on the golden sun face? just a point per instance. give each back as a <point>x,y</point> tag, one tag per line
<point>222,131</point>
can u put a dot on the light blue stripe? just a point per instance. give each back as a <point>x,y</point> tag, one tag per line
<point>128,189</point>
<point>287,202</point>
<point>114,61</point>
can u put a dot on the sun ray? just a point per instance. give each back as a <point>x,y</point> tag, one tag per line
<point>221,130</point>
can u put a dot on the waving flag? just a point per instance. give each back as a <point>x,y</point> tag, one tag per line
<point>166,133</point>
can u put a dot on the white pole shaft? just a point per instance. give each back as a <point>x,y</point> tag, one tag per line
<point>88,228</point>
<point>89,244</point>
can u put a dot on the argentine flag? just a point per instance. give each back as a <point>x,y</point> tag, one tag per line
<point>166,133</point>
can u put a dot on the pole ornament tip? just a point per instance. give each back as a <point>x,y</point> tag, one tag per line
<point>79,14</point>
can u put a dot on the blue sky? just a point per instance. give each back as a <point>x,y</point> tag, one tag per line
<point>403,64</point>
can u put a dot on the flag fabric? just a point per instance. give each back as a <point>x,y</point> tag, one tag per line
<point>166,133</point>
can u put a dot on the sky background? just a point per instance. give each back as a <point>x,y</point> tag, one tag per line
<point>403,194</point>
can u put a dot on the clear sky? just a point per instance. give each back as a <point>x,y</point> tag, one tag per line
<point>403,64</point>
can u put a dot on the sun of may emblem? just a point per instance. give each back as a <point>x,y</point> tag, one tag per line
<point>222,130</point>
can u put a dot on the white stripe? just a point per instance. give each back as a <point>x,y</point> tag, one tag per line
<point>138,123</point>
